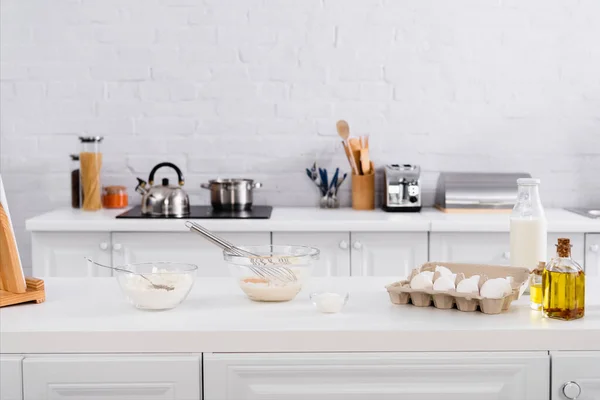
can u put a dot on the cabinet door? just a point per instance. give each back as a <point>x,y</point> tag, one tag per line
<point>488,248</point>
<point>119,377</point>
<point>575,374</point>
<point>334,259</point>
<point>11,380</point>
<point>592,255</point>
<point>377,376</point>
<point>135,247</point>
<point>62,253</point>
<point>387,253</point>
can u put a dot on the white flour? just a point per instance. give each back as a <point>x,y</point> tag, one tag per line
<point>142,295</point>
<point>329,302</point>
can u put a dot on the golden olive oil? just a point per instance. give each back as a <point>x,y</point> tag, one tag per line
<point>563,294</point>
<point>535,294</point>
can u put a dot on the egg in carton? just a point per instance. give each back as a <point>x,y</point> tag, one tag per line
<point>402,293</point>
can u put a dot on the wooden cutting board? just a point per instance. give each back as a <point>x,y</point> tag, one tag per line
<point>11,274</point>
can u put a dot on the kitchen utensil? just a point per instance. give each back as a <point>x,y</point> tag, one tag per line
<point>14,287</point>
<point>267,267</point>
<point>472,192</point>
<point>363,191</point>
<point>313,178</point>
<point>259,288</point>
<point>350,158</point>
<point>179,276</point>
<point>164,200</point>
<point>154,286</point>
<point>354,144</point>
<point>324,181</point>
<point>340,182</point>
<point>343,129</point>
<point>365,162</point>
<point>231,194</point>
<point>333,185</point>
<point>402,188</point>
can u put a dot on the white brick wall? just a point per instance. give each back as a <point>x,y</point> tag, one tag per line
<point>254,87</point>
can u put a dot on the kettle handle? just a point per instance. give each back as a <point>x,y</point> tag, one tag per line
<point>166,164</point>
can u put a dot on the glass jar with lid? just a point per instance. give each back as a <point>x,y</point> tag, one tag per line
<point>528,226</point>
<point>114,197</point>
<point>90,159</point>
<point>75,182</point>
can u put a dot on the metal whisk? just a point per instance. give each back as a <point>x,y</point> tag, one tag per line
<point>267,267</point>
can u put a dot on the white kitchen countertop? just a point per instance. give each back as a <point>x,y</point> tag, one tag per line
<point>92,316</point>
<point>299,219</point>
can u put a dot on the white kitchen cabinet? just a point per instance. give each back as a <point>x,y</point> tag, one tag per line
<point>63,253</point>
<point>575,375</point>
<point>334,259</point>
<point>377,376</point>
<point>489,247</point>
<point>135,247</point>
<point>592,254</point>
<point>387,253</point>
<point>11,380</point>
<point>108,377</point>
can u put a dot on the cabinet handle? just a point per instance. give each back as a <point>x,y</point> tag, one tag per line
<point>357,245</point>
<point>117,246</point>
<point>594,248</point>
<point>344,245</point>
<point>103,246</point>
<point>506,255</point>
<point>571,390</point>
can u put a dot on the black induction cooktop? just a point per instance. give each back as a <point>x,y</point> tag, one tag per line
<point>207,212</point>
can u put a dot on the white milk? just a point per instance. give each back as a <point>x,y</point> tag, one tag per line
<point>528,242</point>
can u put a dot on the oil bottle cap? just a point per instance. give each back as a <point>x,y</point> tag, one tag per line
<point>563,248</point>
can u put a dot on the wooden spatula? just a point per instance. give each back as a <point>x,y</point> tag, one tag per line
<point>365,161</point>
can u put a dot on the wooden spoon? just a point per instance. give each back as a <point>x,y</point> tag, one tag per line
<point>343,129</point>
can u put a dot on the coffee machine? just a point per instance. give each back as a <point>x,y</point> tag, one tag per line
<point>402,188</point>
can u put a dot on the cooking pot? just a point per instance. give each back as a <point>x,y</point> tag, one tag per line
<point>231,194</point>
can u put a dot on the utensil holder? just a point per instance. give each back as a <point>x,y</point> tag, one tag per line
<point>363,191</point>
<point>329,201</point>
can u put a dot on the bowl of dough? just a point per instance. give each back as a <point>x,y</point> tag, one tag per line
<point>156,285</point>
<point>275,273</point>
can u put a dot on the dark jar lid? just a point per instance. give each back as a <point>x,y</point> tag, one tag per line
<point>90,139</point>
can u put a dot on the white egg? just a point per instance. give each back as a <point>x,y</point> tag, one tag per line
<point>468,286</point>
<point>496,288</point>
<point>423,280</point>
<point>445,283</point>
<point>443,270</point>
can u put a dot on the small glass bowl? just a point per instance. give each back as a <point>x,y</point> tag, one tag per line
<point>259,288</point>
<point>140,292</point>
<point>330,302</point>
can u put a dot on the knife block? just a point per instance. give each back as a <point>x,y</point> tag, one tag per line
<point>363,191</point>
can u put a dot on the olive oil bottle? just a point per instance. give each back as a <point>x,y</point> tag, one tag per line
<point>535,287</point>
<point>563,285</point>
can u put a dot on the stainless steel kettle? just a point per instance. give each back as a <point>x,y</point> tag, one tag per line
<point>164,200</point>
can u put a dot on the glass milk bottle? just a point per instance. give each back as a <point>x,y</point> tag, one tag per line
<point>528,227</point>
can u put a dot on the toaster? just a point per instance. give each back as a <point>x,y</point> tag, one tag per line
<point>402,188</point>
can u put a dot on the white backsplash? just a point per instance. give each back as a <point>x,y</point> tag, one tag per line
<point>253,88</point>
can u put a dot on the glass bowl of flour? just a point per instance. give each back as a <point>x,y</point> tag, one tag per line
<point>260,283</point>
<point>164,285</point>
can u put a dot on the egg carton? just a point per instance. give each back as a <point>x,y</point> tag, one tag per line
<point>401,293</point>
